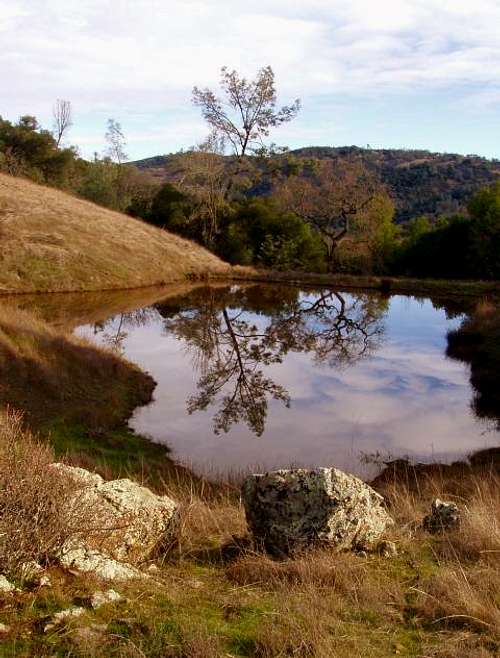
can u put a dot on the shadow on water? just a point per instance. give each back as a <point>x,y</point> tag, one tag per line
<point>477,343</point>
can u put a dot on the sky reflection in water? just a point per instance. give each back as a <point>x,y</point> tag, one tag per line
<point>399,396</point>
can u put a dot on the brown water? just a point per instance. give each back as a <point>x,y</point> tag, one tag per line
<point>272,376</point>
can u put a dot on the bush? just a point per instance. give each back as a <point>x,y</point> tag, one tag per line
<point>260,233</point>
<point>35,517</point>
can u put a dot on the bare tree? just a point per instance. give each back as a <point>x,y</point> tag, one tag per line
<point>247,111</point>
<point>202,176</point>
<point>62,119</point>
<point>116,142</point>
<point>333,197</point>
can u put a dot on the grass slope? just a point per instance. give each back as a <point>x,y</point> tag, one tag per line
<point>52,241</point>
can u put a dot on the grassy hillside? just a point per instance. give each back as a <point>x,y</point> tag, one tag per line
<point>52,241</point>
<point>420,182</point>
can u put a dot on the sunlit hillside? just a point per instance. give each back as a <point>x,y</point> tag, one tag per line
<point>52,241</point>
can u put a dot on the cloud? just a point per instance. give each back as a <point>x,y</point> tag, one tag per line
<point>144,56</point>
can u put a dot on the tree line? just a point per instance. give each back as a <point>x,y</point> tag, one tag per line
<point>257,204</point>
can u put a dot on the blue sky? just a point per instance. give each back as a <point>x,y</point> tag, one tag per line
<point>392,73</point>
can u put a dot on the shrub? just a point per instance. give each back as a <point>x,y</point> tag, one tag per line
<point>35,517</point>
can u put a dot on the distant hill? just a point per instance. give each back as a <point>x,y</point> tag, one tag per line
<point>52,241</point>
<point>420,182</point>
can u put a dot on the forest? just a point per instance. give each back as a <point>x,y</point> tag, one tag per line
<point>318,209</point>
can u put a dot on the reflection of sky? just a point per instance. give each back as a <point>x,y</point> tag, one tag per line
<point>407,398</point>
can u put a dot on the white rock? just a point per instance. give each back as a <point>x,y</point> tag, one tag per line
<point>5,585</point>
<point>89,560</point>
<point>4,629</point>
<point>80,476</point>
<point>131,522</point>
<point>99,598</point>
<point>64,615</point>
<point>289,510</point>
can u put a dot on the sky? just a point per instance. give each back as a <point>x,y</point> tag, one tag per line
<point>388,73</point>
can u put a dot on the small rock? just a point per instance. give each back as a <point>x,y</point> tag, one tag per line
<point>444,516</point>
<point>153,568</point>
<point>88,560</point>
<point>387,549</point>
<point>5,585</point>
<point>99,598</point>
<point>289,510</point>
<point>64,615</point>
<point>4,629</point>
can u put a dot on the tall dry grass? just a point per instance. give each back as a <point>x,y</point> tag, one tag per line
<point>36,518</point>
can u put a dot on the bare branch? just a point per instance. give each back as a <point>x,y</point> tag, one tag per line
<point>62,119</point>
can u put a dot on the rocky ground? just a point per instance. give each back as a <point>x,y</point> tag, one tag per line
<point>301,563</point>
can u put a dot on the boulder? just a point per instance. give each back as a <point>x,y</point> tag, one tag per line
<point>290,510</point>
<point>443,516</point>
<point>126,521</point>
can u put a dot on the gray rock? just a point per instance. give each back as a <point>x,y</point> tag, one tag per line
<point>444,516</point>
<point>127,522</point>
<point>289,510</point>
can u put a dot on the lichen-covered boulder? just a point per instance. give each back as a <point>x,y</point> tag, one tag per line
<point>289,510</point>
<point>127,522</point>
<point>443,516</point>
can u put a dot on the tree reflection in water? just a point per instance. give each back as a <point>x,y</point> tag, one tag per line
<point>230,349</point>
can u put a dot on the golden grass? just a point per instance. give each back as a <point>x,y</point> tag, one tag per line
<point>52,241</point>
<point>215,596</point>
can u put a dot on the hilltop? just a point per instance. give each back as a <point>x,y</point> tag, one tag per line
<point>53,241</point>
<point>420,182</point>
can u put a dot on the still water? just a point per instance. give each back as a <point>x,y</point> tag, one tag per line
<point>272,376</point>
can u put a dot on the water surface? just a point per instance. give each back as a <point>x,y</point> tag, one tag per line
<point>272,376</point>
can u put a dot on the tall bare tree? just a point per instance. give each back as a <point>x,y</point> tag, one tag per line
<point>247,111</point>
<point>62,119</point>
<point>116,142</point>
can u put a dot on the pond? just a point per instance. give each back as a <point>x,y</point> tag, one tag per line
<point>263,376</point>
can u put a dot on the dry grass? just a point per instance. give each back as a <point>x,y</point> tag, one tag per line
<point>217,597</point>
<point>35,517</point>
<point>52,241</point>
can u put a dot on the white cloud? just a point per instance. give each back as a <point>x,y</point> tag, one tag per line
<point>145,55</point>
